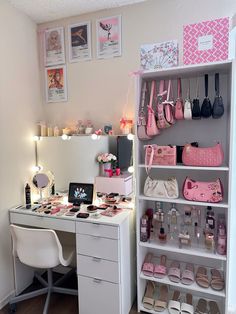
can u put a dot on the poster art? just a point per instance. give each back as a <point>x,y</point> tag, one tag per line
<point>54,50</point>
<point>56,84</point>
<point>109,37</point>
<point>79,41</point>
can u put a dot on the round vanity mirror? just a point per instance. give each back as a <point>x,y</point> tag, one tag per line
<point>41,180</point>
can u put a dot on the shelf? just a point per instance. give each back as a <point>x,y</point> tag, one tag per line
<point>194,287</point>
<point>142,308</point>
<point>182,201</point>
<point>182,167</point>
<point>192,250</point>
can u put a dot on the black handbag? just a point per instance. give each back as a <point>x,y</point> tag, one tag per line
<point>196,110</point>
<point>218,106</point>
<point>206,109</point>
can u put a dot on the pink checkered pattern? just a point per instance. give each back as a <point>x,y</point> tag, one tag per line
<point>219,29</point>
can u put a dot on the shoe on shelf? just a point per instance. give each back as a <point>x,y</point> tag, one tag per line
<point>160,269</point>
<point>187,277</point>
<point>217,281</point>
<point>148,298</point>
<point>201,307</point>
<point>174,304</point>
<point>202,278</point>
<point>161,303</point>
<point>148,266</point>
<point>187,307</point>
<point>174,272</point>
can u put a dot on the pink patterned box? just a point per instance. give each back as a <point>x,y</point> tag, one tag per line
<point>206,41</point>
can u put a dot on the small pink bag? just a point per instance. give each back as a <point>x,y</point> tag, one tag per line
<point>203,191</point>
<point>159,155</point>
<point>205,157</point>
<point>179,106</point>
<point>152,129</point>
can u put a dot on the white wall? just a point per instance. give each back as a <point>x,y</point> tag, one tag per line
<point>97,89</point>
<point>20,107</point>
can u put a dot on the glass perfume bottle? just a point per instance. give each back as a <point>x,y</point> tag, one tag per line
<point>210,219</point>
<point>209,238</point>
<point>222,238</point>
<point>162,235</point>
<point>144,229</point>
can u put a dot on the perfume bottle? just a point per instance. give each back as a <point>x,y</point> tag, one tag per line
<point>27,196</point>
<point>187,215</point>
<point>222,238</point>
<point>209,238</point>
<point>197,232</point>
<point>162,235</point>
<point>210,219</point>
<point>144,229</point>
<point>159,213</point>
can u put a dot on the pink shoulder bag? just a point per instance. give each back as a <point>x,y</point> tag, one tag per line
<point>159,155</point>
<point>169,105</point>
<point>142,124</point>
<point>179,113</point>
<point>152,129</point>
<point>162,123</point>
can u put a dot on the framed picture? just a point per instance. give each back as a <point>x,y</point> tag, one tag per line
<point>54,49</point>
<point>56,84</point>
<point>109,37</point>
<point>79,36</point>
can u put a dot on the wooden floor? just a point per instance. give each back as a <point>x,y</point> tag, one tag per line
<point>59,304</point>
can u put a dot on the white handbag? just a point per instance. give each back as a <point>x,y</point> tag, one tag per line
<point>188,106</point>
<point>161,188</point>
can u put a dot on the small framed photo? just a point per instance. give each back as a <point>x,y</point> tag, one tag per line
<point>79,36</point>
<point>56,84</point>
<point>109,37</point>
<point>54,48</point>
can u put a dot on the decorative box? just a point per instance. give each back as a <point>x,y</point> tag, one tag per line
<point>160,55</point>
<point>206,41</point>
<point>122,184</point>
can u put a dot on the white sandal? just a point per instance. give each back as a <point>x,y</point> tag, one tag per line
<point>174,305</point>
<point>187,308</point>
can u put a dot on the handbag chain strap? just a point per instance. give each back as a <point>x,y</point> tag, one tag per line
<point>206,85</point>
<point>217,84</point>
<point>144,90</point>
<point>197,88</point>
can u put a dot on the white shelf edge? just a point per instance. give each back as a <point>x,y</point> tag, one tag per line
<point>142,308</point>
<point>182,167</point>
<point>191,251</point>
<point>193,287</point>
<point>181,201</point>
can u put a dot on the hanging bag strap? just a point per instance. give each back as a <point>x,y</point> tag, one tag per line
<point>169,92</point>
<point>179,88</point>
<point>197,89</point>
<point>206,85</point>
<point>144,90</point>
<point>217,84</point>
<point>152,94</point>
<point>188,90</point>
<point>148,164</point>
<point>162,90</point>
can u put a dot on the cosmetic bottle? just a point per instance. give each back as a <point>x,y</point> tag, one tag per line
<point>56,131</point>
<point>149,214</point>
<point>49,130</point>
<point>209,238</point>
<point>162,235</point>
<point>197,232</point>
<point>43,128</point>
<point>187,215</point>
<point>210,219</point>
<point>143,229</point>
<point>222,238</point>
<point>159,213</point>
<point>27,196</point>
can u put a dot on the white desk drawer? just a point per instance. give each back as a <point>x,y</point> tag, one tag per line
<point>98,296</point>
<point>96,246</point>
<point>97,229</point>
<point>43,222</point>
<point>97,268</point>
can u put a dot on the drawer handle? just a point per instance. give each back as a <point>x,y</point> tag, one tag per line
<point>97,259</point>
<point>96,280</point>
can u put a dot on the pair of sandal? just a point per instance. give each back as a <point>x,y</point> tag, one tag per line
<point>152,269</point>
<point>216,282</point>
<point>202,307</point>
<point>149,301</point>
<point>186,307</point>
<point>187,276</point>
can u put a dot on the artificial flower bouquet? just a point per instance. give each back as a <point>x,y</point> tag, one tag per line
<point>106,157</point>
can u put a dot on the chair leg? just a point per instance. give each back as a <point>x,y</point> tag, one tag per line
<point>64,277</point>
<point>65,290</point>
<point>28,295</point>
<point>41,280</point>
<point>46,306</point>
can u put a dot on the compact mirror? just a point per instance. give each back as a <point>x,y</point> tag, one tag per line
<point>41,180</point>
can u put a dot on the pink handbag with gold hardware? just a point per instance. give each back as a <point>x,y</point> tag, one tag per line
<point>205,157</point>
<point>203,191</point>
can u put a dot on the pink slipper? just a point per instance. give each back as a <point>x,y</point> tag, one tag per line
<point>187,277</point>
<point>174,272</point>
<point>148,266</point>
<point>160,269</point>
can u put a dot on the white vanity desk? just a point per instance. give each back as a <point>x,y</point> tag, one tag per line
<point>105,249</point>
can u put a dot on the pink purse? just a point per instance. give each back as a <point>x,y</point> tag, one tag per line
<point>179,113</point>
<point>152,129</point>
<point>162,123</point>
<point>203,191</point>
<point>206,157</point>
<point>159,155</point>
<point>142,125</point>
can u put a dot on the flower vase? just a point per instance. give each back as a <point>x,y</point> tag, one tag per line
<point>105,169</point>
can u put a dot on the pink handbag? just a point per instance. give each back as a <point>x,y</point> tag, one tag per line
<point>142,125</point>
<point>169,105</point>
<point>206,157</point>
<point>159,155</point>
<point>179,106</point>
<point>152,129</point>
<point>203,191</point>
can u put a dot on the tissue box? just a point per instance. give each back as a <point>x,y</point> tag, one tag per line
<point>122,184</point>
<point>206,41</point>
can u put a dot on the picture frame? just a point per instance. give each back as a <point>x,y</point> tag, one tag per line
<point>56,84</point>
<point>54,46</point>
<point>109,41</point>
<point>79,39</point>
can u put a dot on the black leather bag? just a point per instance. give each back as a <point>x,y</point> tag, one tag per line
<point>218,106</point>
<point>179,150</point>
<point>206,109</point>
<point>196,110</point>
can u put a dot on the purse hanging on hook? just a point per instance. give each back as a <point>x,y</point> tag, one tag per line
<point>196,112</point>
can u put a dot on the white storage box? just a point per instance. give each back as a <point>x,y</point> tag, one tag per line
<point>122,184</point>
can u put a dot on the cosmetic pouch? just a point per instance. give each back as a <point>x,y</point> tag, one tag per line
<point>159,155</point>
<point>203,191</point>
<point>161,188</point>
<point>205,157</point>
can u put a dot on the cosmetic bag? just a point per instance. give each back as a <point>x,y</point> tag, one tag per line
<point>179,113</point>
<point>161,188</point>
<point>142,119</point>
<point>160,155</point>
<point>152,129</point>
<point>203,191</point>
<point>205,157</point>
<point>218,106</point>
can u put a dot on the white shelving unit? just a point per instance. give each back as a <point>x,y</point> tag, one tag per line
<point>207,132</point>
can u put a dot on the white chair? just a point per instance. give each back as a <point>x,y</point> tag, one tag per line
<point>41,248</point>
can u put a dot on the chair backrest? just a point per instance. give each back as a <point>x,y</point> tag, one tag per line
<point>38,248</point>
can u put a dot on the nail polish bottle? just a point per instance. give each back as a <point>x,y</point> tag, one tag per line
<point>162,235</point>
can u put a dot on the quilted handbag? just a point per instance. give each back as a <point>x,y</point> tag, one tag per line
<point>152,129</point>
<point>206,157</point>
<point>179,113</point>
<point>203,191</point>
<point>142,124</point>
<point>160,155</point>
<point>161,188</point>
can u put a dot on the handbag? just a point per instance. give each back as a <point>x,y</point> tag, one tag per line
<point>188,106</point>
<point>161,188</point>
<point>203,191</point>
<point>179,114</point>
<point>160,155</point>
<point>218,106</point>
<point>162,122</point>
<point>206,109</point>
<point>142,123</point>
<point>206,157</point>
<point>169,105</point>
<point>196,110</point>
<point>180,148</point>
<point>152,129</point>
